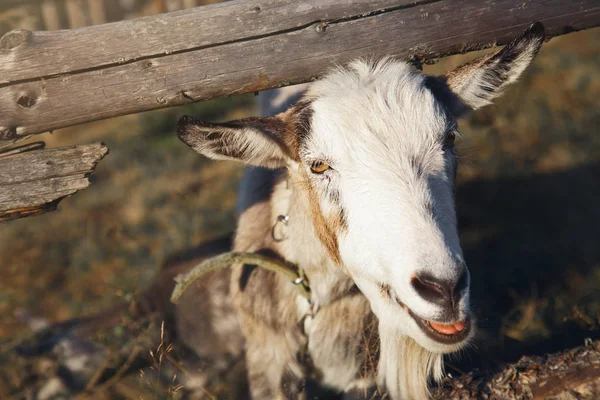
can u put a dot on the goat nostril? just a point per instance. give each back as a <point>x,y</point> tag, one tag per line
<point>445,293</point>
<point>461,284</point>
<point>433,290</point>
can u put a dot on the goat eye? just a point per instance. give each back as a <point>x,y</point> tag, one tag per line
<point>318,167</point>
<point>449,141</point>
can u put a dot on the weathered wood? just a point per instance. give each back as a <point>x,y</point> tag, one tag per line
<point>50,15</point>
<point>173,5</point>
<point>22,149</point>
<point>158,6</point>
<point>96,11</point>
<point>75,13</point>
<point>70,77</point>
<point>18,3</point>
<point>572,374</point>
<point>34,182</point>
<point>169,33</point>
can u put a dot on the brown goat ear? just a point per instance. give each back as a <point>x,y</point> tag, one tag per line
<point>478,82</point>
<point>270,142</point>
<point>254,141</point>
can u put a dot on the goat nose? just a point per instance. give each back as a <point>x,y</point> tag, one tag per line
<point>443,292</point>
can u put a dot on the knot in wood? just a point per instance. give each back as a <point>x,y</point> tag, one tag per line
<point>26,101</point>
<point>322,28</point>
<point>7,133</point>
<point>14,38</point>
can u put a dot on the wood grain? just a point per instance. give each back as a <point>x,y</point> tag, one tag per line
<point>34,182</point>
<point>57,79</point>
<point>74,50</point>
<point>75,13</point>
<point>50,15</point>
<point>96,12</point>
<point>571,374</point>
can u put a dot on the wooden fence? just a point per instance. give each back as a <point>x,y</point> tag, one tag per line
<point>68,14</point>
<point>50,80</point>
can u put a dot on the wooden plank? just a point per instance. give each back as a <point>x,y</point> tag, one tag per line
<point>75,13</point>
<point>36,181</point>
<point>50,15</point>
<point>189,3</point>
<point>96,11</point>
<point>72,50</point>
<point>22,149</point>
<point>158,6</point>
<point>173,5</point>
<point>288,56</point>
<point>4,4</point>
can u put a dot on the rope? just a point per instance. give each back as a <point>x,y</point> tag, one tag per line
<point>291,271</point>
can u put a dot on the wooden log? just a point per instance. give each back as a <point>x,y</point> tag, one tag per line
<point>96,12</point>
<point>50,15</point>
<point>572,374</point>
<point>75,13</point>
<point>157,6</point>
<point>18,3</point>
<point>22,149</point>
<point>71,77</point>
<point>34,182</point>
<point>165,34</point>
<point>173,5</point>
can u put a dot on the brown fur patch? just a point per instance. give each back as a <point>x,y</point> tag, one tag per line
<point>385,290</point>
<point>297,127</point>
<point>337,222</point>
<point>465,71</point>
<point>326,227</point>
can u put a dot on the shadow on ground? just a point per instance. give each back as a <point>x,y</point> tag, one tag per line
<point>532,246</point>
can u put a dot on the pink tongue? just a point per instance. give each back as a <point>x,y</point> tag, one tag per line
<point>448,329</point>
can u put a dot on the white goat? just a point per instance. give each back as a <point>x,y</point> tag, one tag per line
<point>353,183</point>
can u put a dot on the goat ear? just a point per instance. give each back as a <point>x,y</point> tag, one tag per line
<point>480,81</point>
<point>255,141</point>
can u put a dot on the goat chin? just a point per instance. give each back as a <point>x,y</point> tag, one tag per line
<point>405,367</point>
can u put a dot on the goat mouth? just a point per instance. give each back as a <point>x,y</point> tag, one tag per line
<point>448,334</point>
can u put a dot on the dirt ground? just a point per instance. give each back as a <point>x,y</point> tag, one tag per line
<point>528,205</point>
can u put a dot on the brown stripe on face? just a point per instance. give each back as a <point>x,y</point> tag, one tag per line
<point>327,227</point>
<point>297,127</point>
<point>386,290</point>
<point>337,222</point>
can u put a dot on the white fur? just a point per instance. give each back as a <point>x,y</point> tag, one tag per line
<point>405,366</point>
<point>371,122</point>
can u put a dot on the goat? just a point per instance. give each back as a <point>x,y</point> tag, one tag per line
<point>353,183</point>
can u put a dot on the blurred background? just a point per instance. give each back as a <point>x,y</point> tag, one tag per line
<point>528,199</point>
<point>51,15</point>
